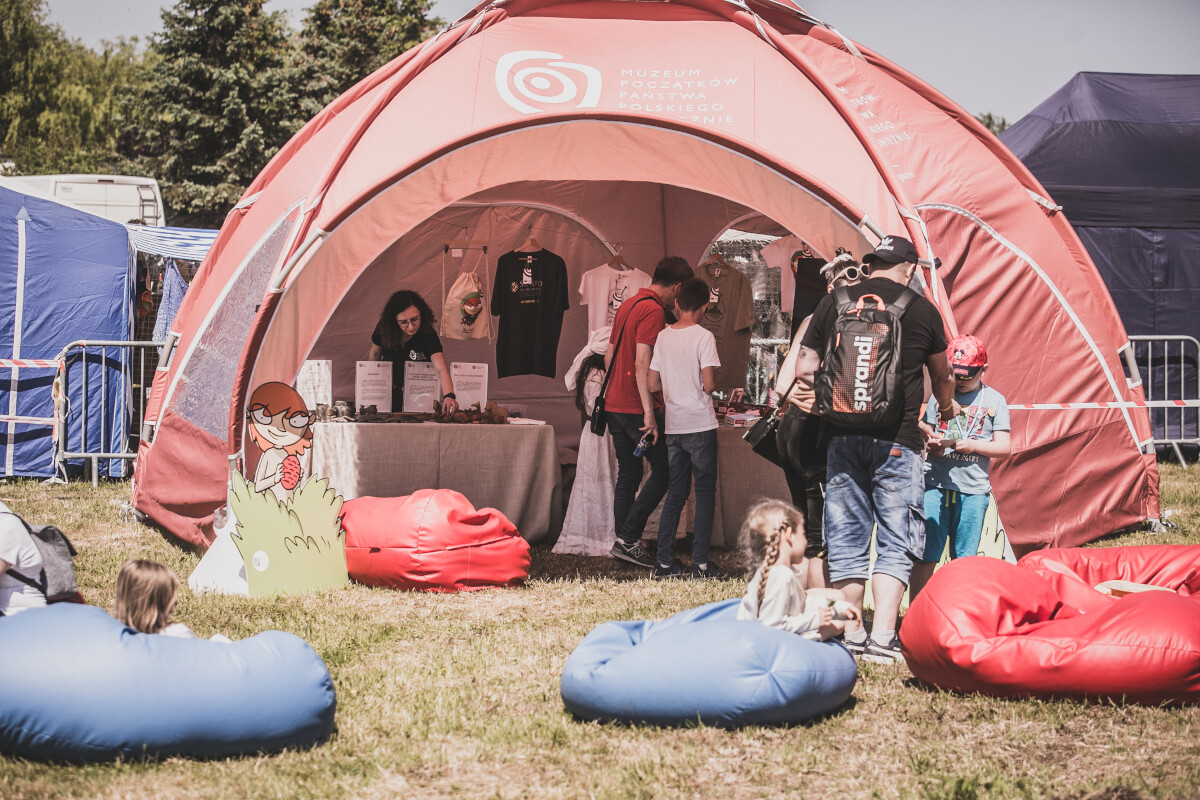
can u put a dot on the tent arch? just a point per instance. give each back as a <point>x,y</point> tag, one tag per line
<point>346,249</point>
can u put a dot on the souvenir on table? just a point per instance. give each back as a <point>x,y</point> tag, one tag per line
<point>529,297</point>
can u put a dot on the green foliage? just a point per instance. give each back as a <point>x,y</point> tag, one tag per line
<point>216,104</point>
<point>57,97</point>
<point>344,41</point>
<point>992,122</point>
<point>293,546</point>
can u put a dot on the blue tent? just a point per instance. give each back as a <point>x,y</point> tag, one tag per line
<point>1121,154</point>
<point>65,275</point>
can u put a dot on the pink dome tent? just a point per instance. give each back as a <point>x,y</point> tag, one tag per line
<point>653,127</point>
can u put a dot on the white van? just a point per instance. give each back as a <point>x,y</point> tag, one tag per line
<point>121,198</point>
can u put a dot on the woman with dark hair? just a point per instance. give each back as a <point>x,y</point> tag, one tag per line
<point>405,332</point>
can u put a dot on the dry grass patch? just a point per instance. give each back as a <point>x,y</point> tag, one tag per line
<point>457,696</point>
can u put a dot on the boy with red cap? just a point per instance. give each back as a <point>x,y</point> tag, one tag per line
<point>957,486</point>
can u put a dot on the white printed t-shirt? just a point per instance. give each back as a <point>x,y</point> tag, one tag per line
<point>679,355</point>
<point>605,288</point>
<point>18,549</point>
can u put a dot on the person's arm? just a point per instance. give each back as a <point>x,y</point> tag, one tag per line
<point>999,447</point>
<point>807,361</point>
<point>787,371</point>
<point>449,404</point>
<point>655,380</point>
<point>942,378</point>
<point>375,353</point>
<point>645,352</point>
<point>708,379</point>
<point>4,566</point>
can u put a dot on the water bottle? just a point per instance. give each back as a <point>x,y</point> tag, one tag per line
<point>641,446</point>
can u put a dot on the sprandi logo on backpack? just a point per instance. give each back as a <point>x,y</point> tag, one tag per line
<point>865,346</point>
<point>525,77</point>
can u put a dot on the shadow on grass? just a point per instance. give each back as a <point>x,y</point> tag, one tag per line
<point>811,722</point>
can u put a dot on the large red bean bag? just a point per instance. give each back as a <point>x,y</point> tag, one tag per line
<point>433,540</point>
<point>1039,628</point>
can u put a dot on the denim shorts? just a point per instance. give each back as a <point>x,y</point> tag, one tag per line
<point>952,515</point>
<point>873,484</point>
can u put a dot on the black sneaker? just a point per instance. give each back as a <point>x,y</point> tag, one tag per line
<point>633,553</point>
<point>675,570</point>
<point>711,572</point>
<point>884,654</point>
<point>856,648</point>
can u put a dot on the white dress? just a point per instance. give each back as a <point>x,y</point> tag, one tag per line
<point>588,527</point>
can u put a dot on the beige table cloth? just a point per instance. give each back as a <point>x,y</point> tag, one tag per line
<point>512,468</point>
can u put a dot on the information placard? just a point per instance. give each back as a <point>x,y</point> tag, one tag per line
<point>470,384</point>
<point>315,383</point>
<point>421,386</point>
<point>373,385</point>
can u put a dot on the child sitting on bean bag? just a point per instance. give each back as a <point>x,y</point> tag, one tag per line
<point>146,596</point>
<point>778,595</point>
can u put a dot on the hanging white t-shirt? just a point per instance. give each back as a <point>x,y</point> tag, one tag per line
<point>778,255</point>
<point>605,288</point>
<point>679,355</point>
<point>17,548</point>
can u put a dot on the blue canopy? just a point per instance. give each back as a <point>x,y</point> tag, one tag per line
<point>1121,154</point>
<point>65,275</point>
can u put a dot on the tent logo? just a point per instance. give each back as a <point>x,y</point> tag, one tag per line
<point>542,77</point>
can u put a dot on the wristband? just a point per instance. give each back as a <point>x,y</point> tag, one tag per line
<point>943,409</point>
<point>450,395</point>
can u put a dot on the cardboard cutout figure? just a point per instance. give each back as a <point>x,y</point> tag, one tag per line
<point>278,424</point>
<point>281,532</point>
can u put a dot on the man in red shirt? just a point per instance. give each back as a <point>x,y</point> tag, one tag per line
<point>633,412</point>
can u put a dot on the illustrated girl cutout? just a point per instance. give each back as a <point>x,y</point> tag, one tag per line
<point>279,425</point>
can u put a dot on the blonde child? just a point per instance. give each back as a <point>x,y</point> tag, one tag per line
<point>778,595</point>
<point>146,593</point>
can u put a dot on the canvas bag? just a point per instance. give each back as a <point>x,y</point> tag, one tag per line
<point>465,314</point>
<point>57,578</point>
<point>858,382</point>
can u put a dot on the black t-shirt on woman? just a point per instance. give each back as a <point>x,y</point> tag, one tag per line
<point>421,347</point>
<point>922,334</point>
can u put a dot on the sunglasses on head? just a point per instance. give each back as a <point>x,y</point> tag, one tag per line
<point>854,272</point>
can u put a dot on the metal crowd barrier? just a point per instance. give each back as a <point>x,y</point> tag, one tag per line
<point>1170,369</point>
<point>135,358</point>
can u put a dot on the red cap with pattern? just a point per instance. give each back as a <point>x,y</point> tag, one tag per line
<point>967,355</point>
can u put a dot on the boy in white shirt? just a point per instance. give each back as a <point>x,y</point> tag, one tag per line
<point>683,368</point>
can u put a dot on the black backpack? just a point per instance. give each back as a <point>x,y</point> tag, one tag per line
<point>858,382</point>
<point>57,578</point>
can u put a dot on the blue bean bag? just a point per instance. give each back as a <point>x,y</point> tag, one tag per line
<point>704,665</point>
<point>77,685</point>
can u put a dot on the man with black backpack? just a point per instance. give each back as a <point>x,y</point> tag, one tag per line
<point>864,353</point>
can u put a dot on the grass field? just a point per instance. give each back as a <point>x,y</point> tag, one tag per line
<point>457,696</point>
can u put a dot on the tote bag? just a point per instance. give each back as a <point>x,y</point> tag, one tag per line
<point>465,314</point>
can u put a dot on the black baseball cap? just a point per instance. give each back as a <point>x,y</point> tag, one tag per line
<point>892,250</point>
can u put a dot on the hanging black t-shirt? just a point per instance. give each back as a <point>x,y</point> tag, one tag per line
<point>810,288</point>
<point>922,334</point>
<point>529,297</point>
<point>421,347</point>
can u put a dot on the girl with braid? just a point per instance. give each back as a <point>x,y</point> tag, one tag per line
<point>778,595</point>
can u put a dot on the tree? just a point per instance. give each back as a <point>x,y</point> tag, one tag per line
<point>993,123</point>
<point>215,106</point>
<point>57,110</point>
<point>343,41</point>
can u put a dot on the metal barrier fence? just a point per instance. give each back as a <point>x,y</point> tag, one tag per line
<point>1169,370</point>
<point>137,361</point>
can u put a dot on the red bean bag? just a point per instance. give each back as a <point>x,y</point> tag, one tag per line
<point>433,540</point>
<point>1039,628</point>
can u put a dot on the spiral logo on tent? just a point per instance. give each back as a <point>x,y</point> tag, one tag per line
<point>524,77</point>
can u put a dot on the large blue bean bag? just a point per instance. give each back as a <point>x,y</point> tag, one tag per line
<point>704,666</point>
<point>77,685</point>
